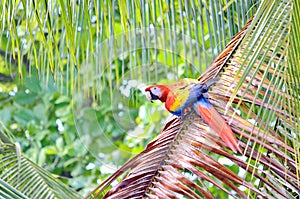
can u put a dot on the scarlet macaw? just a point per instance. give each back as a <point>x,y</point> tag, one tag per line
<point>187,93</point>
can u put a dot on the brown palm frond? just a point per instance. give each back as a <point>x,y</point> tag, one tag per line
<point>254,97</point>
<point>180,147</point>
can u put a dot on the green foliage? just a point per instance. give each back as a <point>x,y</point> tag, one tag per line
<point>45,123</point>
<point>41,120</point>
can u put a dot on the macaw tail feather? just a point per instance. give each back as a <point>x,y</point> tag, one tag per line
<point>216,122</point>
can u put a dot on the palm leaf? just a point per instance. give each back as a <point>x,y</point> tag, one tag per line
<point>8,191</point>
<point>257,96</point>
<point>60,38</point>
<point>24,179</point>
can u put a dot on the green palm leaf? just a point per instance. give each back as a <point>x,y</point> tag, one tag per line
<point>23,178</point>
<point>59,37</point>
<point>8,191</point>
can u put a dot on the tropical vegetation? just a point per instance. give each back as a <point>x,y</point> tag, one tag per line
<point>73,111</point>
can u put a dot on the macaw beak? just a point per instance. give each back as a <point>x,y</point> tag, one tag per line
<point>149,96</point>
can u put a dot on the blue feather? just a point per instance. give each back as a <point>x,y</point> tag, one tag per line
<point>203,102</point>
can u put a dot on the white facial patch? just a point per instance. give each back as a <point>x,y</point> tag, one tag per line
<point>156,91</point>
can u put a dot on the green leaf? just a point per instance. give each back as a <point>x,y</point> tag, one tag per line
<point>23,98</point>
<point>51,150</point>
<point>5,116</point>
<point>32,83</point>
<point>24,116</point>
<point>60,144</point>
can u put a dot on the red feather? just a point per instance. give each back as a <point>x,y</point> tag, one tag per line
<point>218,124</point>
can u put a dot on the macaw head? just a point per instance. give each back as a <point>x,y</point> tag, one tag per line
<point>157,92</point>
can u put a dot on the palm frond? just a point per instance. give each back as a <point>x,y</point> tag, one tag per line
<point>61,38</point>
<point>256,94</point>
<point>182,146</point>
<point>25,178</point>
<point>8,191</point>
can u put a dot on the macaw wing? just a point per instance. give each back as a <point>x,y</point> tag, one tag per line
<point>216,122</point>
<point>177,100</point>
